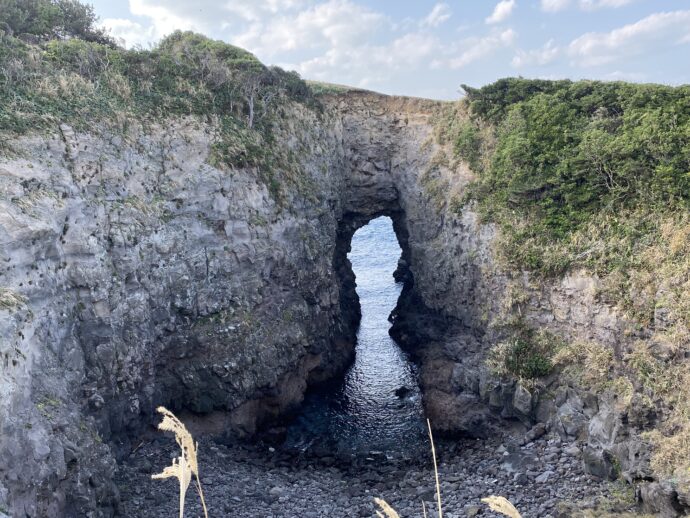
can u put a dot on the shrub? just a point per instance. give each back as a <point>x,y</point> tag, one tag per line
<point>51,19</point>
<point>526,354</point>
<point>526,361</point>
<point>89,85</point>
<point>563,156</point>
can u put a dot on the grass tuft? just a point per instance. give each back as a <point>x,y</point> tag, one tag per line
<point>186,464</point>
<point>438,485</point>
<point>501,505</point>
<point>386,510</point>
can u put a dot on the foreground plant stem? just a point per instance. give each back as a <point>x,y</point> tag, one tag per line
<point>438,485</point>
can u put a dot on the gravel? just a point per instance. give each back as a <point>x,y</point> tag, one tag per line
<point>261,481</point>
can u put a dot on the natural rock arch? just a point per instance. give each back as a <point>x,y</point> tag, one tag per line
<point>185,283</point>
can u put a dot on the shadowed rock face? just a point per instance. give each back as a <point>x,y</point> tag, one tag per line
<point>138,274</point>
<point>146,276</point>
<point>141,275</point>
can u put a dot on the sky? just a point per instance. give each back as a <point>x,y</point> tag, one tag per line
<point>428,48</point>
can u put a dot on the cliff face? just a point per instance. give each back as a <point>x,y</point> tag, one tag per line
<point>461,302</point>
<point>138,274</point>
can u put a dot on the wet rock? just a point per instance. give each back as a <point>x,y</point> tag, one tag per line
<point>403,392</point>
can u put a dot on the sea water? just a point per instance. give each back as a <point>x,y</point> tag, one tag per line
<point>376,406</point>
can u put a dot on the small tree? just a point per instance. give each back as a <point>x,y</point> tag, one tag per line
<point>251,78</point>
<point>52,19</point>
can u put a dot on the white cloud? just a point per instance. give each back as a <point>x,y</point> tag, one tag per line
<point>367,65</point>
<point>201,15</point>
<point>337,23</point>
<point>543,56</point>
<point>439,14</point>
<point>591,5</point>
<point>129,33</point>
<point>254,10</point>
<point>502,11</point>
<point>359,43</point>
<point>473,49</point>
<point>656,30</point>
<point>552,6</point>
<point>166,19</point>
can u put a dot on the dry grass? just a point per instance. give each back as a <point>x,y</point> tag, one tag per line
<point>501,505</point>
<point>495,503</point>
<point>640,379</point>
<point>651,374</point>
<point>438,485</point>
<point>386,510</point>
<point>10,299</point>
<point>590,362</point>
<point>186,464</point>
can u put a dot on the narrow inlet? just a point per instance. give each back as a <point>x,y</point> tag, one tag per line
<point>376,406</point>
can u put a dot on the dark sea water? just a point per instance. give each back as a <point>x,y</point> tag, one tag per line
<point>362,413</point>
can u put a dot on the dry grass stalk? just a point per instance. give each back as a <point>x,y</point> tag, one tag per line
<point>501,505</point>
<point>495,503</point>
<point>438,485</point>
<point>10,299</point>
<point>186,464</point>
<point>388,511</point>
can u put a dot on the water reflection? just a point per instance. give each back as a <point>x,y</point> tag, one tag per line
<point>377,405</point>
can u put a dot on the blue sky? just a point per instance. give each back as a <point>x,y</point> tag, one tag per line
<point>428,48</point>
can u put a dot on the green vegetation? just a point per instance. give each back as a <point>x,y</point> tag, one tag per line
<point>562,157</point>
<point>597,176</point>
<point>82,82</point>
<point>72,73</point>
<point>526,354</point>
<point>50,19</point>
<point>323,88</point>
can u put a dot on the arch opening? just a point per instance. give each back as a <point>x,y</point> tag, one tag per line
<point>376,404</point>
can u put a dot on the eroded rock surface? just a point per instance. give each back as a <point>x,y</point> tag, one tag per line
<point>135,273</point>
<point>146,276</point>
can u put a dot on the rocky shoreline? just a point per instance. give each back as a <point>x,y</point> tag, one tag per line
<point>543,478</point>
<point>141,271</point>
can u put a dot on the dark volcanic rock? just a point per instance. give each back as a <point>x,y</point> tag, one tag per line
<point>138,272</point>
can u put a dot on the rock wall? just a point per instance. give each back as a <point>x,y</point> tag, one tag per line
<point>135,274</point>
<point>459,297</point>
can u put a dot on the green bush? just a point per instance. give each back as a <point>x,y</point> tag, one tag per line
<point>51,19</point>
<point>467,144</point>
<point>526,361</point>
<point>526,353</point>
<point>566,153</point>
<point>91,85</point>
